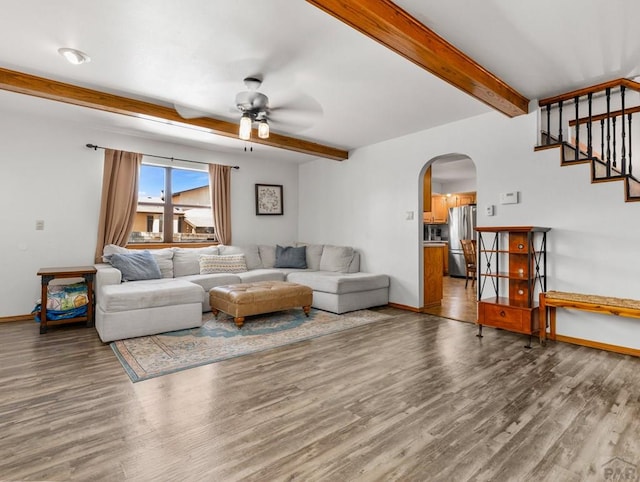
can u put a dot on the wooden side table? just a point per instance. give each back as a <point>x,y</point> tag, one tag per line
<point>48,274</point>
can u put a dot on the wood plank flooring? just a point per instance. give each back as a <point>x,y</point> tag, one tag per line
<point>412,398</point>
<point>458,303</point>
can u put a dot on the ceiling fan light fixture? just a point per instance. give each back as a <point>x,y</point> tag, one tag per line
<point>245,127</point>
<point>73,56</point>
<point>263,129</point>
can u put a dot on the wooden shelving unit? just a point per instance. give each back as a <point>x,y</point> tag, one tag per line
<point>512,265</point>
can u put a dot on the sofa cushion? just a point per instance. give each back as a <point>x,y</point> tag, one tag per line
<point>336,258</point>
<point>267,255</point>
<point>291,257</point>
<point>250,251</point>
<point>136,266</point>
<point>262,275</point>
<point>208,281</point>
<point>186,261</point>
<point>314,253</point>
<point>339,283</point>
<point>137,295</point>
<point>213,263</point>
<point>354,266</point>
<point>164,257</point>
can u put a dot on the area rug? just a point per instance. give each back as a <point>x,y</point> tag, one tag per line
<point>152,356</point>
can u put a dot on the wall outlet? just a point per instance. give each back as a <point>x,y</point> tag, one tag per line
<point>409,216</point>
<point>488,210</point>
<point>39,224</point>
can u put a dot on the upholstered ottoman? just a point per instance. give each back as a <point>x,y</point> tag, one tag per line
<point>241,300</point>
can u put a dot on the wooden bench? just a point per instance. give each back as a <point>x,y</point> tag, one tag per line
<point>593,303</point>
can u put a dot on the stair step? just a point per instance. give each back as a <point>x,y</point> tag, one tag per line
<point>542,147</point>
<point>599,172</point>
<point>632,189</point>
<point>569,155</point>
<point>598,166</point>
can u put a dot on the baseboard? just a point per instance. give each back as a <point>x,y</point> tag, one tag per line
<point>600,346</point>
<point>11,319</point>
<point>405,307</point>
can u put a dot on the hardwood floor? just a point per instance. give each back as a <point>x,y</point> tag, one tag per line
<point>414,397</point>
<point>458,303</point>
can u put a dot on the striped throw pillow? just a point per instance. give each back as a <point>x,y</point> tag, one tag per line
<point>212,263</point>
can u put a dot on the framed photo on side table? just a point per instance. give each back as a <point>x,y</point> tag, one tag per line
<point>269,199</point>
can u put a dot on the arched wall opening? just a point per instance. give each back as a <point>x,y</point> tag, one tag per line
<point>444,175</point>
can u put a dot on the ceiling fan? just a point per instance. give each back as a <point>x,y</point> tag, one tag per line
<point>294,111</point>
<point>254,107</point>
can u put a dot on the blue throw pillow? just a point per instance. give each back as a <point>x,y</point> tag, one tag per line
<point>290,257</point>
<point>136,266</point>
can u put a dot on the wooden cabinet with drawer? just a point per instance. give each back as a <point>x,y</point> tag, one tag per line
<point>512,272</point>
<point>499,314</point>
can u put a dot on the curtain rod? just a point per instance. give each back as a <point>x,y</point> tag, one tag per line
<point>95,148</point>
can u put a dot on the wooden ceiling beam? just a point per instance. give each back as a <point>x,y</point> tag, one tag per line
<point>71,94</point>
<point>388,24</point>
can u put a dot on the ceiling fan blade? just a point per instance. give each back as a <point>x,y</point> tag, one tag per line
<point>300,111</point>
<point>189,112</point>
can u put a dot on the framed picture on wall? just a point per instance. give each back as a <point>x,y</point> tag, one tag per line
<point>269,199</point>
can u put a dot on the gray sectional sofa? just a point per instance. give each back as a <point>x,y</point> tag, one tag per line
<point>178,295</point>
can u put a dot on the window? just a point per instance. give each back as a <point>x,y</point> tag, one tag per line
<point>174,206</point>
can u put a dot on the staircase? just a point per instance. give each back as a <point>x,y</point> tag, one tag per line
<point>602,136</point>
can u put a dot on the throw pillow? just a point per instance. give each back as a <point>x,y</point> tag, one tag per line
<point>213,263</point>
<point>336,258</point>
<point>164,257</point>
<point>291,257</point>
<point>136,266</point>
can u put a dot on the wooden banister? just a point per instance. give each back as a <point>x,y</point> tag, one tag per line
<point>599,117</point>
<point>630,84</point>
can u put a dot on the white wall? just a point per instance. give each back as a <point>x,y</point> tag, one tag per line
<point>48,174</point>
<point>593,245</point>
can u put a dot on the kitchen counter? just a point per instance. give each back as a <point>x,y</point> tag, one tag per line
<point>444,247</point>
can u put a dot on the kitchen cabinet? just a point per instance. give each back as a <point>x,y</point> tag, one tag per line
<point>433,268</point>
<point>466,198</point>
<point>439,205</point>
<point>439,208</point>
<point>460,199</point>
<point>513,261</point>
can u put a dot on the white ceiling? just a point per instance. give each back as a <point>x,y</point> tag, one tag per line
<point>452,167</point>
<point>196,53</point>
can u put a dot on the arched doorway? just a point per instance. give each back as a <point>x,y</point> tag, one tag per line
<point>450,181</point>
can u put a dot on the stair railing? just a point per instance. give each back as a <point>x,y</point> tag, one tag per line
<point>606,104</point>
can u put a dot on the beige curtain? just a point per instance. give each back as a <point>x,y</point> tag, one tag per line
<point>220,186</point>
<point>119,198</point>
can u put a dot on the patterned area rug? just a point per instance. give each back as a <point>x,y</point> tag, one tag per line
<point>152,356</point>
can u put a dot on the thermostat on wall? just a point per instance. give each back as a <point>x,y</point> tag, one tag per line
<point>509,197</point>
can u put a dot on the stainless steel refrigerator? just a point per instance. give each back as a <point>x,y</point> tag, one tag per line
<point>462,222</point>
